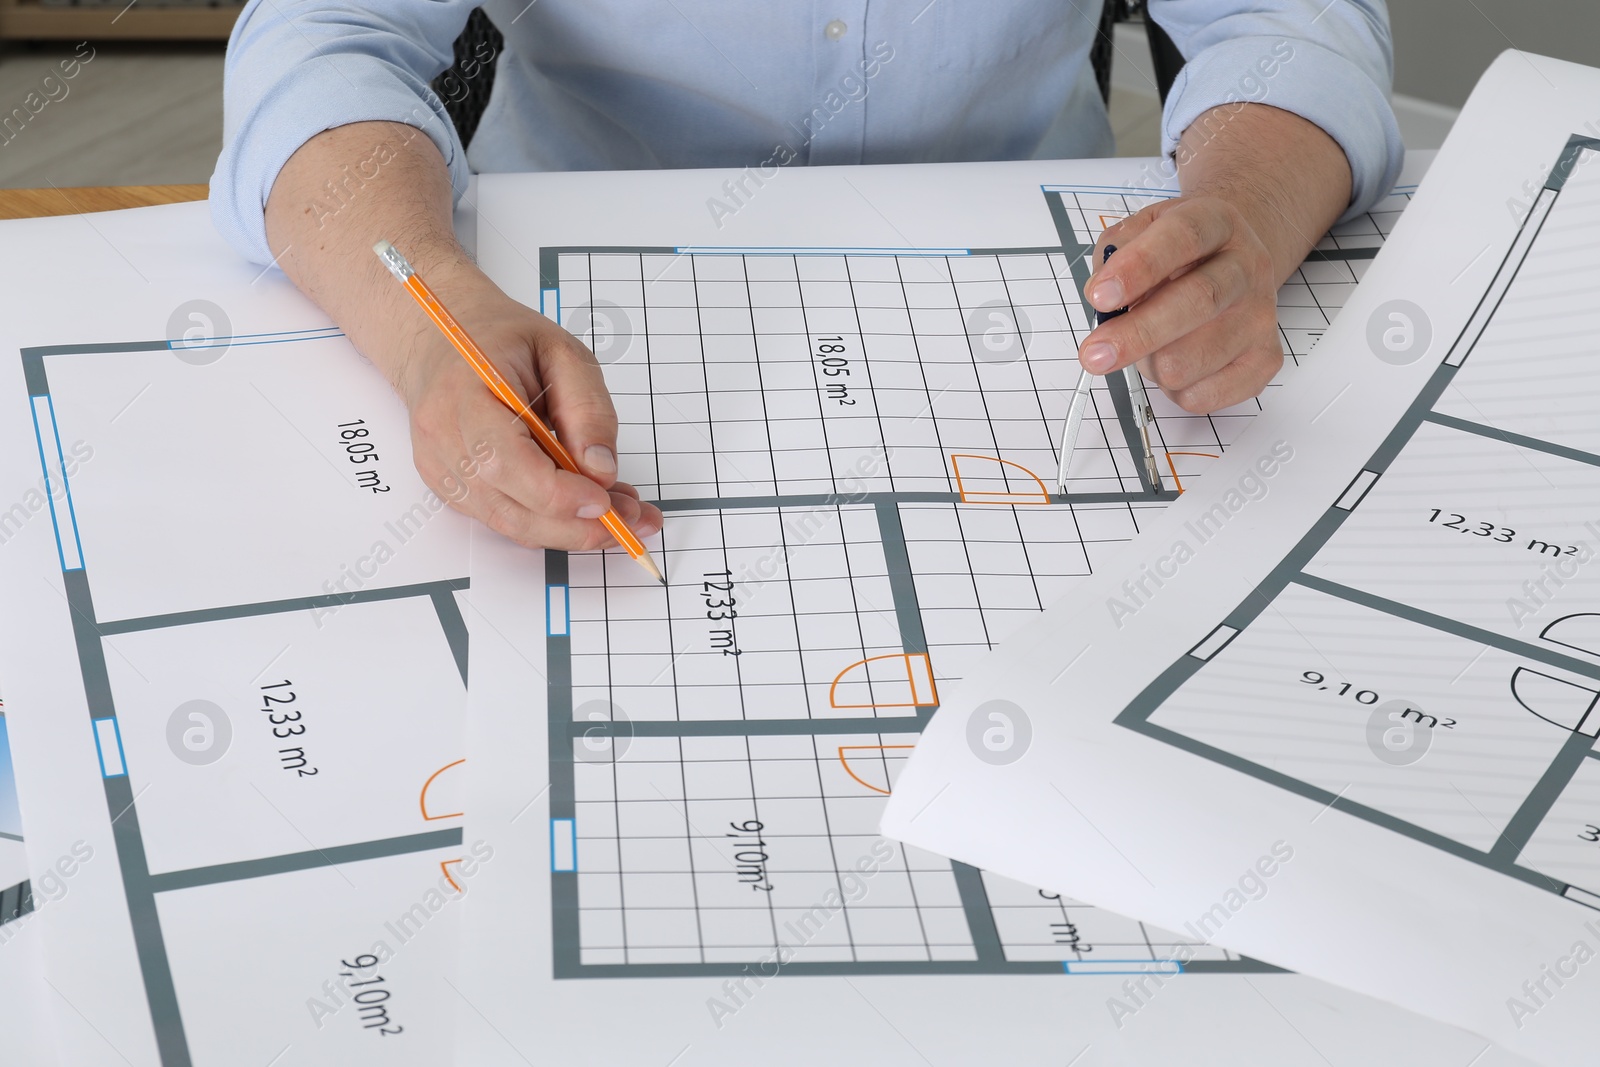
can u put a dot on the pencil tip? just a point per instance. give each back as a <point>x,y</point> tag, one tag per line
<point>648,562</point>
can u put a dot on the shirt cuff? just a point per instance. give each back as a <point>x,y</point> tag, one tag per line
<point>325,92</point>
<point>1308,80</point>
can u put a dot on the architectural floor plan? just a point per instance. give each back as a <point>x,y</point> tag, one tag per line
<point>16,897</point>
<point>853,449</point>
<point>1369,637</point>
<point>272,787</point>
<point>28,1029</point>
<point>1487,695</point>
<point>851,428</point>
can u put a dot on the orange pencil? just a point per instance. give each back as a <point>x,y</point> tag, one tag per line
<point>546,437</point>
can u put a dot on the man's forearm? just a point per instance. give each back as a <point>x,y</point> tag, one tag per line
<point>1288,178</point>
<point>351,186</point>
<point>342,191</point>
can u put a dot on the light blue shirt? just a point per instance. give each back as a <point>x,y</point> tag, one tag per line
<point>631,84</point>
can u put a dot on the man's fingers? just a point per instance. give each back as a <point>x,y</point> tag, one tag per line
<point>517,467</point>
<point>579,404</point>
<point>634,513</point>
<point>644,519</point>
<point>1240,380</point>
<point>1124,230</point>
<point>1175,309</point>
<point>1178,236</point>
<point>512,519</point>
<point>648,521</point>
<point>1211,346</point>
<point>1119,234</point>
<point>522,524</point>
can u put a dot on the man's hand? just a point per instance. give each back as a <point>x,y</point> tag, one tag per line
<point>457,425</point>
<point>1200,273</point>
<point>1203,321</point>
<point>469,448</point>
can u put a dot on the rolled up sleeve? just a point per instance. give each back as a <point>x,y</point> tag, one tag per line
<point>1329,61</point>
<point>298,67</point>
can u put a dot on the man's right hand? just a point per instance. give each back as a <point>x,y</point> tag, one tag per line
<point>468,446</point>
<point>458,427</point>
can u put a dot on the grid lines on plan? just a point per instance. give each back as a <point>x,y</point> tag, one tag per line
<point>853,449</point>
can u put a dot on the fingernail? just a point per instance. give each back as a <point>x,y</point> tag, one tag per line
<point>1098,358</point>
<point>591,511</point>
<point>600,459</point>
<point>1107,295</point>
<point>647,529</point>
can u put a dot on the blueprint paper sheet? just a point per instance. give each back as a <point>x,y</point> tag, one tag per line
<point>846,398</point>
<point>27,1018</point>
<point>234,658</point>
<point>1305,716</point>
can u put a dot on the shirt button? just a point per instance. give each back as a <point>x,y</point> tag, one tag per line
<point>835,30</point>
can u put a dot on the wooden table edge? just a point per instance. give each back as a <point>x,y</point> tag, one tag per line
<point>39,203</point>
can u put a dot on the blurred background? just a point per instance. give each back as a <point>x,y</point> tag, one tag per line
<point>147,108</point>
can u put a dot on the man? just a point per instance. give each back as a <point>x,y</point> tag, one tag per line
<point>1279,124</point>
